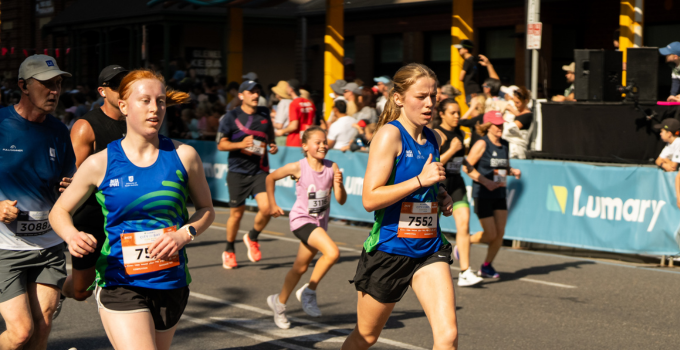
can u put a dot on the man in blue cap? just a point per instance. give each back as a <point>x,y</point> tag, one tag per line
<point>384,84</point>
<point>672,53</point>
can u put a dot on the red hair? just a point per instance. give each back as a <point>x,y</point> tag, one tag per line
<point>172,97</point>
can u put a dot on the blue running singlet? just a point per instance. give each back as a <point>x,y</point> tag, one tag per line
<point>138,205</point>
<point>409,227</point>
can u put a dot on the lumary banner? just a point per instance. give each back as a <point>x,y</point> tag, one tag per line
<point>618,209</point>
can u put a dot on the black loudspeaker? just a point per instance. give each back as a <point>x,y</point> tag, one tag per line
<point>598,73</point>
<point>642,69</point>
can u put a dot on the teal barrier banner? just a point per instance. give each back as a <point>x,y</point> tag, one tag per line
<point>618,209</point>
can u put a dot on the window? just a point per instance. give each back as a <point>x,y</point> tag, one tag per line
<point>392,49</point>
<point>440,47</point>
<point>499,43</point>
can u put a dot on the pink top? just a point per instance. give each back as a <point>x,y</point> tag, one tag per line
<point>313,191</point>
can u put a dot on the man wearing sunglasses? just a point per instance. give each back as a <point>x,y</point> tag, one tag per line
<point>89,135</point>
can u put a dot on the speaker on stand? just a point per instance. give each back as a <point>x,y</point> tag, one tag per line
<point>598,74</point>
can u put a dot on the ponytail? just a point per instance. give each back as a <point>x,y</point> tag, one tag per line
<point>483,129</point>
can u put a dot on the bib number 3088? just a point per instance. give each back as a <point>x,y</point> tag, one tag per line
<point>418,220</point>
<point>136,252</point>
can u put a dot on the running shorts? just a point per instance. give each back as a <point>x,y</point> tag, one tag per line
<point>304,232</point>
<point>386,277</point>
<point>18,268</point>
<point>484,207</point>
<point>242,186</point>
<point>165,305</point>
<point>455,187</point>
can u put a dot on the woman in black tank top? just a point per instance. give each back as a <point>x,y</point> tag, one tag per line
<point>452,155</point>
<point>490,156</point>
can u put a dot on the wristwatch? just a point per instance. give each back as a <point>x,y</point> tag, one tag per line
<point>191,231</point>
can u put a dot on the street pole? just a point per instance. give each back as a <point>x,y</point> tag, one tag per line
<point>534,17</point>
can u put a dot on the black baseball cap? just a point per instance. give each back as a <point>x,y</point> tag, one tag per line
<point>249,85</point>
<point>468,44</point>
<point>107,74</point>
<point>669,124</point>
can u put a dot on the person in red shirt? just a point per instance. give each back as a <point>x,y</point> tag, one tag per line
<point>300,116</point>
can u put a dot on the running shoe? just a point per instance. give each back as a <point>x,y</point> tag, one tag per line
<point>254,253</point>
<point>455,253</point>
<point>279,311</point>
<point>308,299</point>
<point>468,278</point>
<point>62,297</point>
<point>488,272</point>
<point>229,260</point>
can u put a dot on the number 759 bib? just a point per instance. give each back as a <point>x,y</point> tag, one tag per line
<point>136,252</point>
<point>418,220</point>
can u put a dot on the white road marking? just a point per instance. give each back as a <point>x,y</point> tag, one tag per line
<point>243,333</point>
<point>326,327</point>
<point>524,279</point>
<point>303,333</point>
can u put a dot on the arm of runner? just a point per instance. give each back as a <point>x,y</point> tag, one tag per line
<point>290,169</point>
<point>89,176</point>
<point>472,159</point>
<point>445,203</point>
<point>226,145</point>
<point>384,149</point>
<point>168,244</point>
<point>82,138</point>
<point>455,146</point>
<point>338,186</point>
<point>677,189</point>
<point>8,211</point>
<point>271,134</point>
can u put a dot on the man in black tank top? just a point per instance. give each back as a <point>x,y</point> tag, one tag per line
<point>89,135</point>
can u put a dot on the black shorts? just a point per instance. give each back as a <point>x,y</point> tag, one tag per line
<point>242,186</point>
<point>304,232</point>
<point>165,305</point>
<point>484,207</point>
<point>455,187</point>
<point>386,277</point>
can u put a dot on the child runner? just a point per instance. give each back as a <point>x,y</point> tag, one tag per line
<point>405,247</point>
<point>316,178</point>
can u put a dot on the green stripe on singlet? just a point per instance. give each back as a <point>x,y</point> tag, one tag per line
<point>102,262</point>
<point>374,237</point>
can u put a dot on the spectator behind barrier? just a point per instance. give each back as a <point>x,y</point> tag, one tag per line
<point>341,133</point>
<point>492,88</point>
<point>366,107</point>
<point>669,129</point>
<point>384,84</point>
<point>516,128</point>
<point>364,135</point>
<point>350,91</point>
<point>568,92</point>
<point>469,75</point>
<point>672,53</point>
<point>447,91</point>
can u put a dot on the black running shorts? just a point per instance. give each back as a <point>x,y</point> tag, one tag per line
<point>386,277</point>
<point>484,207</point>
<point>304,232</point>
<point>242,186</point>
<point>165,305</point>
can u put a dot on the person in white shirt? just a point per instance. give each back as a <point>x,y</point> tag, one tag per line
<point>341,133</point>
<point>670,155</point>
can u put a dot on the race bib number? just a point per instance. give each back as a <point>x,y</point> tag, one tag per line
<point>317,202</point>
<point>136,252</point>
<point>453,166</point>
<point>500,177</point>
<point>418,220</point>
<point>257,149</point>
<point>31,223</point>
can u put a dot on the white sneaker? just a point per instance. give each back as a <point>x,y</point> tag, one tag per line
<point>279,311</point>
<point>308,299</point>
<point>468,278</point>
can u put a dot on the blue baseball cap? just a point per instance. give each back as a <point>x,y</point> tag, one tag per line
<point>249,85</point>
<point>672,49</point>
<point>382,79</point>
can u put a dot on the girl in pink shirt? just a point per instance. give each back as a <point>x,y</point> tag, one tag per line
<point>316,178</point>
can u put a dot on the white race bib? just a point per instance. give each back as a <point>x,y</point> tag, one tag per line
<point>31,223</point>
<point>136,252</point>
<point>500,177</point>
<point>317,202</point>
<point>418,220</point>
<point>453,166</point>
<point>257,148</point>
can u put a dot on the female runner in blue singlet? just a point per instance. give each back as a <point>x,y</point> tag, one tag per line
<point>406,246</point>
<point>142,183</point>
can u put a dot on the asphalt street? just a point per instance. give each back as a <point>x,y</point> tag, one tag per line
<point>542,301</point>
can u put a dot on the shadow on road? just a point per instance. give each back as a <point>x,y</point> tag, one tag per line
<point>538,270</point>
